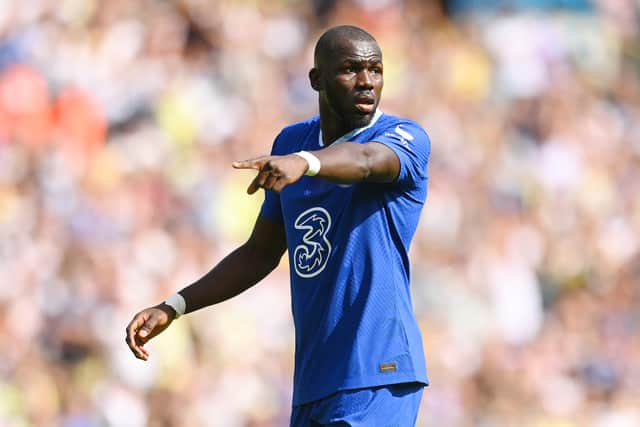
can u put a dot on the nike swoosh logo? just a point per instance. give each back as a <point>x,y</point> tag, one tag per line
<point>403,133</point>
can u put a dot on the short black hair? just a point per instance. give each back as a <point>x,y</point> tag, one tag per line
<point>330,40</point>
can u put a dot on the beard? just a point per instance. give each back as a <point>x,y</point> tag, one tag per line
<point>348,116</point>
<point>358,120</point>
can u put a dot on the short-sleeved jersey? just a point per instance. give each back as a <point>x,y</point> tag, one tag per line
<point>348,254</point>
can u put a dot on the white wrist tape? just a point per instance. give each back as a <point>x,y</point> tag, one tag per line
<point>313,161</point>
<point>177,302</point>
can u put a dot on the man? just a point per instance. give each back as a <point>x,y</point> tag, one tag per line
<point>344,192</point>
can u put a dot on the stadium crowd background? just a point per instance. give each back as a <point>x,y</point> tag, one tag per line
<point>118,124</point>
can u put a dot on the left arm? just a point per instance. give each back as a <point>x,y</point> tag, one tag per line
<point>345,163</point>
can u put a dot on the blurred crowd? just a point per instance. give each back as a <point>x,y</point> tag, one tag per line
<point>118,124</point>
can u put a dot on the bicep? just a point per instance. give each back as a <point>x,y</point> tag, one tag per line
<point>268,240</point>
<point>383,162</point>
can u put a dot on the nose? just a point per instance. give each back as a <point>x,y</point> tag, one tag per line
<point>364,79</point>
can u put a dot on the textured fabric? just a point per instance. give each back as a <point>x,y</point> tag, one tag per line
<point>348,253</point>
<point>386,406</point>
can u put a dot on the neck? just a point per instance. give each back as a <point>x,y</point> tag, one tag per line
<point>333,127</point>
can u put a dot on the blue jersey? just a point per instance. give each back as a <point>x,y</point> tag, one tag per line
<point>349,267</point>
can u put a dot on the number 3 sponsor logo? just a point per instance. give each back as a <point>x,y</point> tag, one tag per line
<point>311,256</point>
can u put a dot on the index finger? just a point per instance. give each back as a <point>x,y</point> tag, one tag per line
<point>132,342</point>
<point>255,163</point>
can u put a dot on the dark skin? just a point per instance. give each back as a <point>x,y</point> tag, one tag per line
<point>349,84</point>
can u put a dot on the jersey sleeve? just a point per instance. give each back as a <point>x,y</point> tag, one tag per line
<point>412,146</point>
<point>271,208</point>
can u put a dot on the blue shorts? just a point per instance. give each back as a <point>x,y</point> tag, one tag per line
<point>394,405</point>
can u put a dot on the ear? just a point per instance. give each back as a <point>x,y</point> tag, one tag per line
<point>314,79</point>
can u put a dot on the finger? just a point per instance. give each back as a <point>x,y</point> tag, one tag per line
<point>253,187</point>
<point>147,329</point>
<point>143,352</point>
<point>132,342</point>
<point>270,181</point>
<point>279,185</point>
<point>145,333</point>
<point>257,182</point>
<point>255,163</point>
<point>138,351</point>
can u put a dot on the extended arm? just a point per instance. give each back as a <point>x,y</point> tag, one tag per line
<point>345,163</point>
<point>240,270</point>
<point>351,162</point>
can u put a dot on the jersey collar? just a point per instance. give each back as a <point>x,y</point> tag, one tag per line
<point>349,135</point>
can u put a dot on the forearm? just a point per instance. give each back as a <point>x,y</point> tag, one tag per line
<point>237,272</point>
<point>351,162</point>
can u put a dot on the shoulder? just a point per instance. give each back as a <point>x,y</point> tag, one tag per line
<point>294,133</point>
<point>388,121</point>
<point>298,129</point>
<point>403,128</point>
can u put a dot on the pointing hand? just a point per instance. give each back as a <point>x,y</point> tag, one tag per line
<point>274,172</point>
